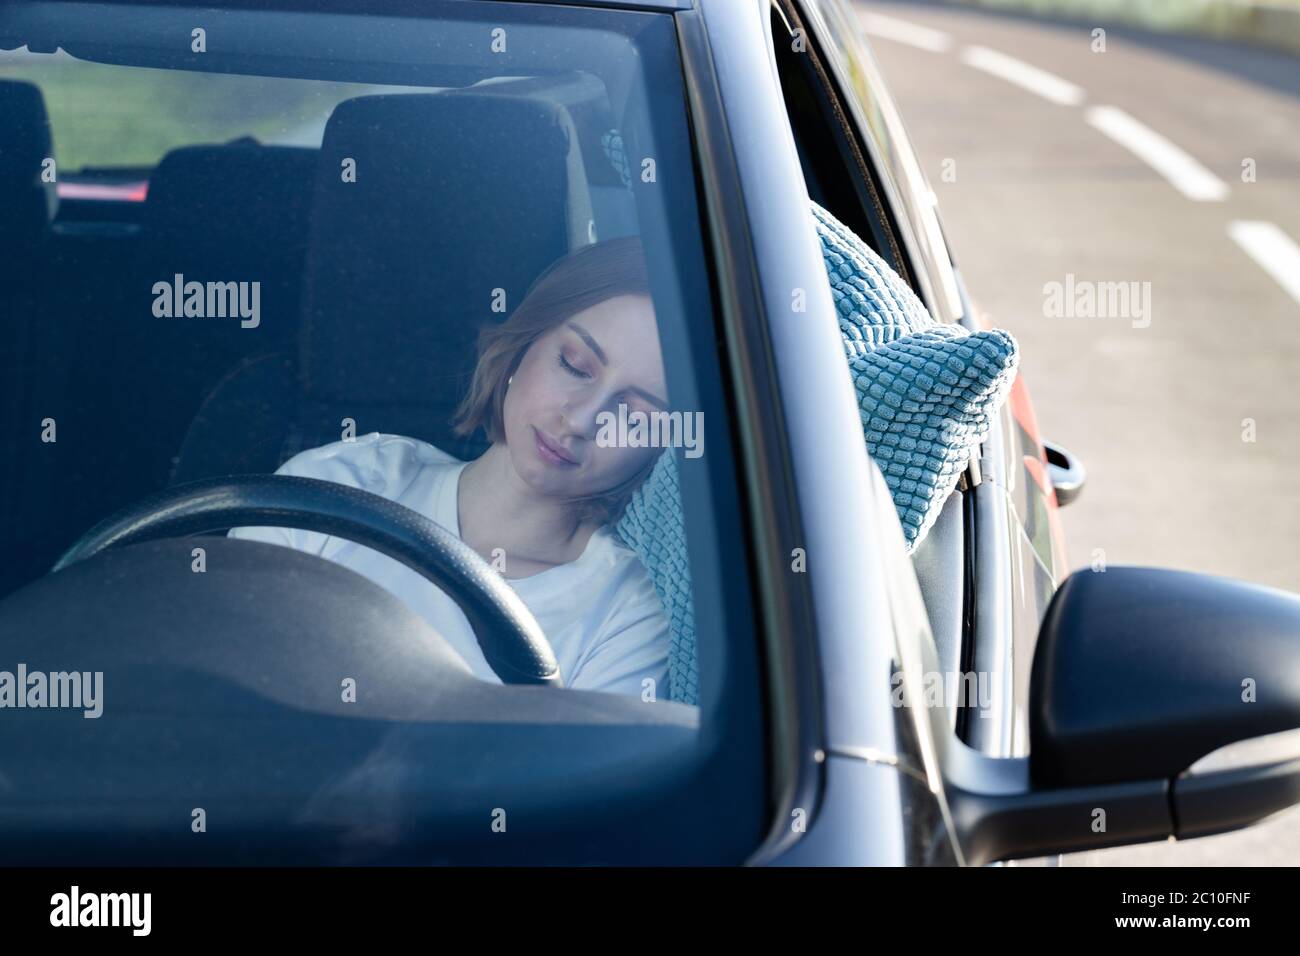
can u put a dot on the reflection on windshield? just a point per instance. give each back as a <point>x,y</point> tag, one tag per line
<point>446,285</point>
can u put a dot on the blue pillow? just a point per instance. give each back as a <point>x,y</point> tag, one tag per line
<point>875,306</point>
<point>654,526</point>
<point>927,394</point>
<point>927,401</point>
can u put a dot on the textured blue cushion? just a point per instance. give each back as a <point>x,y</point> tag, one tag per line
<point>926,402</point>
<point>654,527</point>
<point>926,392</point>
<point>874,304</point>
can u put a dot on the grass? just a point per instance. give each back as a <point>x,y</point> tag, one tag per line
<point>106,115</point>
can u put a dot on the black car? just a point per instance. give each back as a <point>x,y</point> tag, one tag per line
<point>147,147</point>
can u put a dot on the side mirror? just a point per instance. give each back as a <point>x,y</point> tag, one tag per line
<point>1066,472</point>
<point>1139,676</point>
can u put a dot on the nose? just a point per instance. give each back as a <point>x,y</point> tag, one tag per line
<point>582,413</point>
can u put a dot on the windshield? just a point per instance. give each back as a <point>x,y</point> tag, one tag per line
<point>454,262</point>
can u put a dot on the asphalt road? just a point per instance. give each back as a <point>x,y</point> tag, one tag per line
<point>1044,178</point>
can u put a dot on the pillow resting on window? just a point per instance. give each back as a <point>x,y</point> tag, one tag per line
<point>926,393</point>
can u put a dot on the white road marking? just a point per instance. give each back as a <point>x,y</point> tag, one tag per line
<point>1047,85</point>
<point>1275,251</point>
<point>912,34</point>
<point>1183,172</point>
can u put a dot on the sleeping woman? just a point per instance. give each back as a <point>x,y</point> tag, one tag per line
<point>539,503</point>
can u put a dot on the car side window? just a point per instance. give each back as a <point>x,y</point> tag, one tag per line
<point>854,82</point>
<point>834,170</point>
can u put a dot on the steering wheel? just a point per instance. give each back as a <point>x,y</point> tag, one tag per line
<point>510,637</point>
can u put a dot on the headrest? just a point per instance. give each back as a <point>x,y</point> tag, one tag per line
<point>25,144</point>
<point>425,205</point>
<point>243,189</point>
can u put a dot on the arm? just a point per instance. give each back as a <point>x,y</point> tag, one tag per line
<point>381,464</point>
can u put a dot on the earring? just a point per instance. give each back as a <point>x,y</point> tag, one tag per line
<point>509,381</point>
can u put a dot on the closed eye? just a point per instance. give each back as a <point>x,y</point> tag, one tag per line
<point>575,372</point>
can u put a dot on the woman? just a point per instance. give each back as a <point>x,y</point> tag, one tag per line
<point>538,504</point>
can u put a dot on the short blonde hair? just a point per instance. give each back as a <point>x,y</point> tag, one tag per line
<point>577,281</point>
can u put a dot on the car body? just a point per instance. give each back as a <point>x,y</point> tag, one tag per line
<point>800,753</point>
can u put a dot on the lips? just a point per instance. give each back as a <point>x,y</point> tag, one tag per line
<point>551,452</point>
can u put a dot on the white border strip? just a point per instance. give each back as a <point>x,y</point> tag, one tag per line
<point>1031,78</point>
<point>1182,171</point>
<point>923,38</point>
<point>1275,251</point>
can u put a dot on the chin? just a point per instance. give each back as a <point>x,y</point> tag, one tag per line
<point>537,474</point>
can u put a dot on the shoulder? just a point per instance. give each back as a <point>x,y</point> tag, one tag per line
<point>634,589</point>
<point>382,464</point>
<point>631,643</point>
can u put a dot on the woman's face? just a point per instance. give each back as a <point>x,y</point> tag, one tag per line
<point>585,365</point>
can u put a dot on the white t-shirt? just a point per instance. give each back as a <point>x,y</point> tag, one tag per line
<point>600,613</point>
